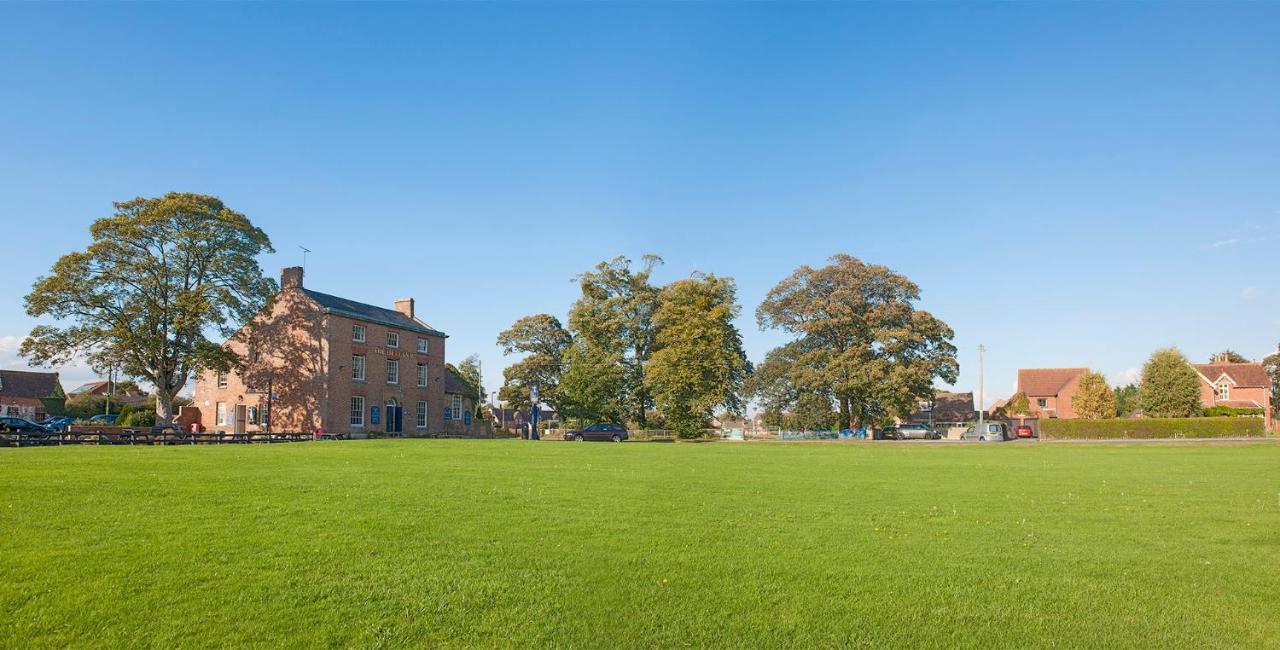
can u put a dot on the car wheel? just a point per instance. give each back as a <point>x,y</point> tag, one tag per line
<point>580,438</point>
<point>982,438</point>
<point>616,438</point>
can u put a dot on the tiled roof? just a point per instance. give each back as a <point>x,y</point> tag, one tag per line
<point>89,387</point>
<point>1245,375</point>
<point>371,313</point>
<point>1046,382</point>
<point>454,385</point>
<point>952,407</point>
<point>30,385</point>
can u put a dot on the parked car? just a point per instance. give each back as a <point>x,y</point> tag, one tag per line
<point>61,423</point>
<point>611,432</point>
<point>104,419</point>
<point>916,430</point>
<point>888,433</point>
<point>987,432</point>
<point>22,425</point>
<point>1024,431</point>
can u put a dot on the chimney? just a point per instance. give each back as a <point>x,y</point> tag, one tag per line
<point>291,277</point>
<point>405,306</point>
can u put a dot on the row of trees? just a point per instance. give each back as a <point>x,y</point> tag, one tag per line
<point>860,350</point>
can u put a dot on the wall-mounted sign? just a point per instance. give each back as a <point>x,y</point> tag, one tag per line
<point>373,415</point>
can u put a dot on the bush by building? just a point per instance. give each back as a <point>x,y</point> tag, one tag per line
<point>1150,428</point>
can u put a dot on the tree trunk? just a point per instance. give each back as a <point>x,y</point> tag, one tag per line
<point>846,417</point>
<point>640,414</point>
<point>164,407</point>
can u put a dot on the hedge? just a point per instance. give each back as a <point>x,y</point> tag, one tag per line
<point>1144,428</point>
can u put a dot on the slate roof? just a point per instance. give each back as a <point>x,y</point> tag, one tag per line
<point>89,387</point>
<point>1245,375</point>
<point>454,385</point>
<point>953,407</point>
<point>371,313</point>
<point>21,384</point>
<point>1046,382</point>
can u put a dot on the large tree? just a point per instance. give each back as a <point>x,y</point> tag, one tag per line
<point>699,364</point>
<point>544,342</point>
<point>1126,400</point>
<point>161,275</point>
<point>615,316</point>
<point>1271,364</point>
<point>591,386</point>
<point>1170,386</point>
<point>1094,399</point>
<point>873,350</point>
<point>789,394</point>
<point>468,371</point>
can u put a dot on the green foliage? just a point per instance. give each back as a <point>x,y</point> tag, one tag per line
<point>1143,428</point>
<point>1018,405</point>
<point>615,316</point>
<point>160,275</point>
<point>1126,400</point>
<point>131,416</point>
<point>862,340</point>
<point>468,371</point>
<point>699,364</point>
<point>1271,365</point>
<point>87,405</point>
<point>1170,386</point>
<point>1094,399</point>
<point>1228,411</point>
<point>544,342</point>
<point>590,387</point>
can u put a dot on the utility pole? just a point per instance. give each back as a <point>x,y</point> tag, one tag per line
<point>305,250</point>
<point>982,404</point>
<point>111,387</point>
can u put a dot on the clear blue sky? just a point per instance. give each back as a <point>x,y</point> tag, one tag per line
<point>1069,184</point>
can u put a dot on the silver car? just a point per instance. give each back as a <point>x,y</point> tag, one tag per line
<point>916,430</point>
<point>987,432</point>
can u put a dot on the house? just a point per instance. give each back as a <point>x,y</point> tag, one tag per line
<point>313,361</point>
<point>121,392</point>
<point>459,405</point>
<point>946,409</point>
<point>30,395</point>
<point>511,419</point>
<point>1050,390</point>
<point>1236,385</point>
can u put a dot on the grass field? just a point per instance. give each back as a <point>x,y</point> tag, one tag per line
<point>496,543</point>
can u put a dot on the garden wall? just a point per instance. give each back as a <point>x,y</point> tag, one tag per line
<point>1145,428</point>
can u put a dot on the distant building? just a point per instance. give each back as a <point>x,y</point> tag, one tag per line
<point>946,409</point>
<point>1236,385</point>
<point>1050,390</point>
<point>30,395</point>
<point>123,393</point>
<point>317,361</point>
<point>510,419</point>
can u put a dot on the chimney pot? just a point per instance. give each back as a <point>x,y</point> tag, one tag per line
<point>291,277</point>
<point>405,306</point>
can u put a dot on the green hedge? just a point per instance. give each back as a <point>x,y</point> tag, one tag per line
<point>1145,428</point>
<point>1227,411</point>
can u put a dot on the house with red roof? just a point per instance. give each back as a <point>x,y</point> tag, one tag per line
<point>1236,385</point>
<point>1050,390</point>
<point>31,395</point>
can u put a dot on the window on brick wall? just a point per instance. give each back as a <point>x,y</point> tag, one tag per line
<point>1224,391</point>
<point>357,367</point>
<point>220,413</point>
<point>422,346</point>
<point>357,411</point>
<point>393,371</point>
<point>422,375</point>
<point>357,333</point>
<point>222,380</point>
<point>393,340</point>
<point>422,414</point>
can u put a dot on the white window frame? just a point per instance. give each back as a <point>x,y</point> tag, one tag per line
<point>356,415</point>
<point>421,420</point>
<point>220,414</point>
<point>423,346</point>
<point>393,371</point>
<point>358,371</point>
<point>455,407</point>
<point>422,375</point>
<point>358,333</point>
<point>393,340</point>
<point>1042,402</point>
<point>221,379</point>
<point>1224,391</point>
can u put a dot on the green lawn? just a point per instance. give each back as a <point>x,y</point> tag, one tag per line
<point>484,543</point>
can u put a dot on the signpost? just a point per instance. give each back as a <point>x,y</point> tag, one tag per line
<point>533,413</point>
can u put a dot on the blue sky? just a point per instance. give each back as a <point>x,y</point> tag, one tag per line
<point>1070,184</point>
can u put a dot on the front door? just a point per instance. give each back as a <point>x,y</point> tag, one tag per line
<point>241,419</point>
<point>394,421</point>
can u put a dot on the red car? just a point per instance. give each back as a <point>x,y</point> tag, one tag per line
<point>1024,431</point>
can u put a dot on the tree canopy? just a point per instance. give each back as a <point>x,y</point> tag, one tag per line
<point>1170,386</point>
<point>1094,399</point>
<point>544,341</point>
<point>864,341</point>
<point>160,275</point>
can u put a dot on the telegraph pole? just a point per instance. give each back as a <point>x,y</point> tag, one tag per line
<point>982,404</point>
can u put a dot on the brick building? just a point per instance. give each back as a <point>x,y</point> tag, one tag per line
<point>30,395</point>
<point>1237,385</point>
<point>328,363</point>
<point>1050,390</point>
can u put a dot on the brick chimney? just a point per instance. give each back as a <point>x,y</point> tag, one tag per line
<point>291,277</point>
<point>405,306</point>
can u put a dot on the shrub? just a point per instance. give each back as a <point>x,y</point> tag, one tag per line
<point>1094,399</point>
<point>1227,411</point>
<point>1170,386</point>
<point>1148,428</point>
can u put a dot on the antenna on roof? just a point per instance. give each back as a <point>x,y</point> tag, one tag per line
<point>305,250</point>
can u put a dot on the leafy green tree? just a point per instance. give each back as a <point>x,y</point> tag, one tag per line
<point>1271,365</point>
<point>1228,356</point>
<point>1126,400</point>
<point>615,316</point>
<point>699,364</point>
<point>1094,399</point>
<point>1170,386</point>
<point>469,371</point>
<point>867,343</point>
<point>589,388</point>
<point>160,275</point>
<point>544,341</point>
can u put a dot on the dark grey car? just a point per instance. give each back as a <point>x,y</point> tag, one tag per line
<point>609,432</point>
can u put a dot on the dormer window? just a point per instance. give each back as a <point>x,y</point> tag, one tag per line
<point>1224,392</point>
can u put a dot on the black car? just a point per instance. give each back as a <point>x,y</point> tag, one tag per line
<point>610,432</point>
<point>21,425</point>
